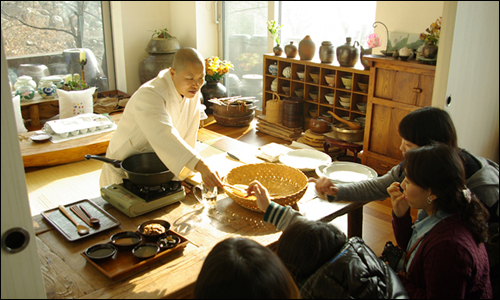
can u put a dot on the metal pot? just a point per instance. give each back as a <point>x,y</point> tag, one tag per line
<point>341,131</point>
<point>143,169</point>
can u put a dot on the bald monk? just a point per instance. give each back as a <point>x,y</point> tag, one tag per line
<point>163,116</point>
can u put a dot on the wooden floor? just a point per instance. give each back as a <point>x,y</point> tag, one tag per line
<point>49,187</point>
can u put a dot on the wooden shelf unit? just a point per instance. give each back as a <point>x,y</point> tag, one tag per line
<point>357,96</point>
<point>396,88</point>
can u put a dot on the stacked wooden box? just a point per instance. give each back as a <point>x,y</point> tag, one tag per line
<point>278,130</point>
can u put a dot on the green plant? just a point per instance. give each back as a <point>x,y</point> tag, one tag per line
<point>433,32</point>
<point>75,83</point>
<point>274,30</point>
<point>161,33</point>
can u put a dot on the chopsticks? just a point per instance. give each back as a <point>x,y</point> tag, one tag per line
<point>75,209</point>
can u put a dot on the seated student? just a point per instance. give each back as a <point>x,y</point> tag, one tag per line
<point>242,268</point>
<point>417,129</point>
<point>322,262</point>
<point>446,255</point>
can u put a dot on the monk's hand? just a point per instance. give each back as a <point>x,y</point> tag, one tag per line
<point>261,194</point>
<point>209,177</point>
<point>324,186</point>
<point>398,200</point>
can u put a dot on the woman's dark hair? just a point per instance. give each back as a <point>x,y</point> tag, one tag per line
<point>242,268</point>
<point>438,167</point>
<point>426,125</point>
<point>307,245</point>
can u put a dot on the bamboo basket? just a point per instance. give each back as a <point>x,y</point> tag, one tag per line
<point>287,184</point>
<point>274,110</point>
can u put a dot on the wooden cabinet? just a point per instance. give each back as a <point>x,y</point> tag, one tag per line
<point>395,89</point>
<point>321,87</point>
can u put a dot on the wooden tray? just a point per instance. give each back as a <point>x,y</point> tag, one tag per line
<point>124,263</point>
<point>68,229</point>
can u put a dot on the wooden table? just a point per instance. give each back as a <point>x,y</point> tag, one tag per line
<point>68,275</point>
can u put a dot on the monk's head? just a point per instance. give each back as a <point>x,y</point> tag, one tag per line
<point>188,71</point>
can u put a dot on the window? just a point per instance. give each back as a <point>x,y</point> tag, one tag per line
<point>44,32</point>
<point>245,35</point>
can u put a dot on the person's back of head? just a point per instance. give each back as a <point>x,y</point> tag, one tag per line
<point>242,268</point>
<point>426,125</point>
<point>438,167</point>
<point>306,245</point>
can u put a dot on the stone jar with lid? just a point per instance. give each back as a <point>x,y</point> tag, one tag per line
<point>307,48</point>
<point>326,52</point>
<point>47,88</point>
<point>347,54</point>
<point>291,50</point>
<point>159,55</point>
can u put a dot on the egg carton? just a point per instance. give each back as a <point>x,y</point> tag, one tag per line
<point>77,125</point>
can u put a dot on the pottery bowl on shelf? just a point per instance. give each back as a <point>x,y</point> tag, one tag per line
<point>330,79</point>
<point>313,95</point>
<point>286,89</point>
<point>361,107</point>
<point>345,98</point>
<point>313,113</point>
<point>299,93</point>
<point>363,87</point>
<point>315,77</point>
<point>330,98</point>
<point>345,104</point>
<point>301,75</point>
<point>347,81</point>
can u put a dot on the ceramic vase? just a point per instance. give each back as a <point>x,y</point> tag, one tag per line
<point>278,50</point>
<point>364,62</point>
<point>159,55</point>
<point>210,90</point>
<point>47,89</point>
<point>430,50</point>
<point>273,69</point>
<point>25,91</point>
<point>291,50</point>
<point>23,80</point>
<point>347,54</point>
<point>326,53</point>
<point>307,48</point>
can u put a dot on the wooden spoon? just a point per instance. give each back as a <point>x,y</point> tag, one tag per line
<point>82,230</point>
<point>351,125</point>
<point>94,221</point>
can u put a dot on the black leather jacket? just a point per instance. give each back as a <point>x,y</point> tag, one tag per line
<point>354,272</point>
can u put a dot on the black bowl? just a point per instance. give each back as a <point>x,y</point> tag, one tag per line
<point>404,58</point>
<point>146,251</point>
<point>154,237</point>
<point>100,251</point>
<point>126,239</point>
<point>166,243</point>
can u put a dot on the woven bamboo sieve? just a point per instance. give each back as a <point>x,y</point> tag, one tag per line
<point>274,110</point>
<point>289,184</point>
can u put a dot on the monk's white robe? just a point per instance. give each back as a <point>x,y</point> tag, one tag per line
<point>156,119</point>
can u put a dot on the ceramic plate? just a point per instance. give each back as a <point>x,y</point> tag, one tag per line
<point>346,172</point>
<point>305,159</point>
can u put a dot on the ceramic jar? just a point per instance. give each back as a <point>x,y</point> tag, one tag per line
<point>307,48</point>
<point>210,90</point>
<point>291,50</point>
<point>24,89</point>
<point>278,50</point>
<point>159,56</point>
<point>273,69</point>
<point>430,50</point>
<point>57,80</point>
<point>348,55</point>
<point>46,88</point>
<point>22,80</point>
<point>326,53</point>
<point>364,62</point>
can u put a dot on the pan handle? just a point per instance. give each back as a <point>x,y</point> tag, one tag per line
<point>115,162</point>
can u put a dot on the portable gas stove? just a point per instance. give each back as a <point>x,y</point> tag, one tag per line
<point>134,200</point>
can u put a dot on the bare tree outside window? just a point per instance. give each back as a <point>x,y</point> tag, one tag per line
<point>38,32</point>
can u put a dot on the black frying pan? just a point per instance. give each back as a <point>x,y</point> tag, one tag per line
<point>143,169</point>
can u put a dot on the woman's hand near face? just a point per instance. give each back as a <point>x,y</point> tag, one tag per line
<point>324,186</point>
<point>399,204</point>
<point>260,192</point>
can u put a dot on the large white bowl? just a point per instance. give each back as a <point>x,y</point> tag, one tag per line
<point>305,159</point>
<point>346,172</point>
<point>330,97</point>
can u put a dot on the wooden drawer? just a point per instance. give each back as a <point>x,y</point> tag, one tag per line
<point>381,166</point>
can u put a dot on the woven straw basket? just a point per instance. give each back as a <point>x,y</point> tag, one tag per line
<point>274,110</point>
<point>286,183</point>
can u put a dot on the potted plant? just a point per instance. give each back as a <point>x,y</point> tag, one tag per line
<point>431,38</point>
<point>274,30</point>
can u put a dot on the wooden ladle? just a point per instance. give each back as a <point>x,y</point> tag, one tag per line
<point>351,125</point>
<point>82,230</point>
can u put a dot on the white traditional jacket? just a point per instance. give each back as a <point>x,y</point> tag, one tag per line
<point>156,119</point>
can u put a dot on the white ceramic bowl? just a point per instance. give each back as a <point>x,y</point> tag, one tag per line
<point>313,95</point>
<point>346,172</point>
<point>330,79</point>
<point>286,89</point>
<point>305,159</point>
<point>347,81</point>
<point>345,104</point>
<point>299,93</point>
<point>363,87</point>
<point>361,107</point>
<point>315,77</point>
<point>330,98</point>
<point>301,75</point>
<point>345,98</point>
